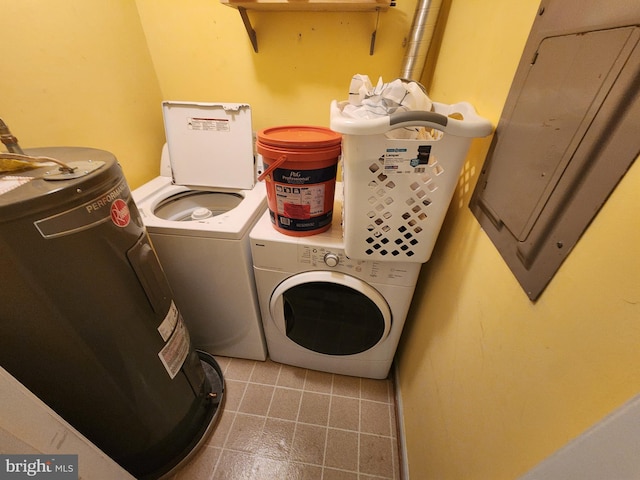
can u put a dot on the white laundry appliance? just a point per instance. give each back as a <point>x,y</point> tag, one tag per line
<point>324,311</point>
<point>199,213</point>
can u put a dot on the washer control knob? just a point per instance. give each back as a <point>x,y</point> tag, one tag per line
<point>331,259</point>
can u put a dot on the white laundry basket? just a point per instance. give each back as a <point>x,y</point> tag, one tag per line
<point>397,191</point>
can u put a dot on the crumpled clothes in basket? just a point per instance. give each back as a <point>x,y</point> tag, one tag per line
<point>400,95</point>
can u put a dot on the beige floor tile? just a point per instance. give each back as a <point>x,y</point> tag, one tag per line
<point>395,452</point>
<point>303,471</point>
<point>308,444</point>
<point>265,372</point>
<point>344,413</point>
<point>314,408</point>
<point>256,399</point>
<point>342,450</point>
<point>201,465</point>
<point>276,440</point>
<point>245,433</point>
<point>223,362</point>
<point>318,381</point>
<point>346,386</point>
<point>239,369</point>
<point>375,417</point>
<point>292,377</point>
<point>221,430</point>
<point>378,390</point>
<point>376,456</point>
<point>233,392</point>
<point>285,403</point>
<point>394,421</point>
<point>268,469</point>
<point>281,422</point>
<point>331,474</point>
<point>234,465</point>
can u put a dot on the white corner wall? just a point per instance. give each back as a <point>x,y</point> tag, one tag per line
<point>31,427</point>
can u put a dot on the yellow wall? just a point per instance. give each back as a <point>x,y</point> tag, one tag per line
<point>492,383</point>
<point>306,59</point>
<point>93,73</point>
<point>77,72</point>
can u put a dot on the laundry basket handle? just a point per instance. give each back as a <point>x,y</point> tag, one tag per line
<point>418,118</point>
<point>470,124</point>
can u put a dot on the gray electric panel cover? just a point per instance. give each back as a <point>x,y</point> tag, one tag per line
<point>569,131</point>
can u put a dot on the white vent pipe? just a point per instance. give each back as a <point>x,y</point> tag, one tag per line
<point>424,24</point>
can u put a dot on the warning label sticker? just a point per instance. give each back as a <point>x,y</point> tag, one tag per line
<point>169,322</point>
<point>300,202</point>
<point>176,350</point>
<point>215,124</point>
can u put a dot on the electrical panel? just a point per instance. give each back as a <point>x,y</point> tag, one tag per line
<point>569,131</point>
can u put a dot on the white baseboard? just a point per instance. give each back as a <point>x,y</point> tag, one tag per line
<point>402,439</point>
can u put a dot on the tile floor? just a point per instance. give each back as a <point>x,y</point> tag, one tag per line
<point>286,423</point>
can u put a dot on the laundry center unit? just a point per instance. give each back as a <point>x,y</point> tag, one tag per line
<point>324,311</point>
<point>199,213</point>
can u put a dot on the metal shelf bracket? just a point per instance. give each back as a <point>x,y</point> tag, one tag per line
<point>372,45</point>
<point>250,31</point>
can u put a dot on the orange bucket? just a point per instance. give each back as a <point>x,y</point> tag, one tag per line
<point>300,165</point>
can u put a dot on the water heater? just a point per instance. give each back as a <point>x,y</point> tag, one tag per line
<point>87,319</point>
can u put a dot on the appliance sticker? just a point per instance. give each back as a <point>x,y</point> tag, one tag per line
<point>209,124</point>
<point>169,323</point>
<point>9,182</point>
<point>394,160</point>
<point>402,160</point>
<point>176,350</point>
<point>299,201</point>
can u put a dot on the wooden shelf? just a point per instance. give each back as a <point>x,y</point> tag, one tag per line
<point>310,5</point>
<point>307,6</point>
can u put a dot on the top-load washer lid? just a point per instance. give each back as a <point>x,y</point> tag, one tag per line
<point>210,144</point>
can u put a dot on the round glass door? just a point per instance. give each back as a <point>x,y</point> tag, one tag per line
<point>330,313</point>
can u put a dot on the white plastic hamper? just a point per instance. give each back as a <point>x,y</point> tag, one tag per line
<point>397,191</point>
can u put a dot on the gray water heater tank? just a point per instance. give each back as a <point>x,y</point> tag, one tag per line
<point>87,320</point>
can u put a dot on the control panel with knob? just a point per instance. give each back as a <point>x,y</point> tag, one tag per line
<point>331,259</point>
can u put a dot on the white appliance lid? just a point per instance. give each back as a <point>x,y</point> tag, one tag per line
<point>210,144</point>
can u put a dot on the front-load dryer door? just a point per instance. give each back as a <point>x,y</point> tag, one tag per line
<point>330,312</point>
